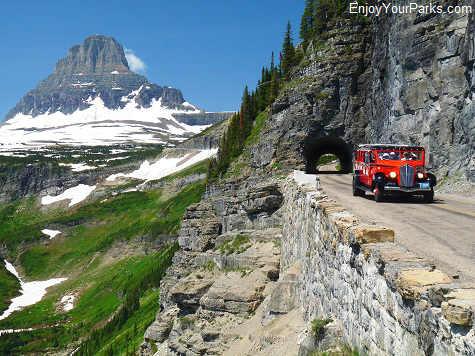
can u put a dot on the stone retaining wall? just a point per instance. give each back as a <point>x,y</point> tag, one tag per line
<point>388,300</point>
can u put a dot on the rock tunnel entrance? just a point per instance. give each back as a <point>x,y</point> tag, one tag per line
<point>321,146</point>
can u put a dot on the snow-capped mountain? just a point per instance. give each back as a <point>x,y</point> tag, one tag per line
<point>93,98</point>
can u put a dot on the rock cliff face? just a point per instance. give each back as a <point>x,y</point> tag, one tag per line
<point>405,79</point>
<point>324,109</point>
<point>422,87</point>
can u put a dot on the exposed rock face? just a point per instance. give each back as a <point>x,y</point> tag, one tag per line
<point>22,182</point>
<point>422,87</point>
<point>206,118</point>
<point>264,197</point>
<point>405,79</point>
<point>325,108</point>
<point>96,55</point>
<point>247,204</point>
<point>96,68</point>
<point>208,139</point>
<point>284,297</point>
<point>200,228</point>
<point>215,284</point>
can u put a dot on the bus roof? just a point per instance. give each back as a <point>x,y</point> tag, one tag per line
<point>385,146</point>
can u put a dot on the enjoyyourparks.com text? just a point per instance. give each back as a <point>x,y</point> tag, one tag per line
<point>410,8</point>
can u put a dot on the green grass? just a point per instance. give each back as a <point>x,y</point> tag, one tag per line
<point>20,223</point>
<point>82,252</point>
<point>318,326</point>
<point>328,158</point>
<point>130,335</point>
<point>90,229</point>
<point>259,124</point>
<point>105,290</point>
<point>199,168</point>
<point>9,287</point>
<point>238,245</point>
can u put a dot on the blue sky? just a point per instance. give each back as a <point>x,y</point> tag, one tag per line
<point>208,49</point>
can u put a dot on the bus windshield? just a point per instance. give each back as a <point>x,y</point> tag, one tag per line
<point>388,156</point>
<point>396,156</point>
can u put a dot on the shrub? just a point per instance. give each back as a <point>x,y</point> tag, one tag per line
<point>318,326</point>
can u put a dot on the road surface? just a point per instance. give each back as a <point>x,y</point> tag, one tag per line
<point>443,231</point>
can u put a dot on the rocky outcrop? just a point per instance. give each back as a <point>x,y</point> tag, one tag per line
<point>422,86</point>
<point>264,197</point>
<point>96,55</point>
<point>217,282</point>
<point>208,139</point>
<point>285,295</point>
<point>204,118</point>
<point>28,180</point>
<point>200,228</point>
<point>247,203</point>
<point>327,97</point>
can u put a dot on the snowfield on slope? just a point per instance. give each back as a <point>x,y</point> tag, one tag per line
<point>76,194</point>
<point>98,125</point>
<point>78,167</point>
<point>165,166</point>
<point>31,292</point>
<point>50,233</point>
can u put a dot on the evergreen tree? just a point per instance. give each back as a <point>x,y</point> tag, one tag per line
<point>274,85</point>
<point>306,25</point>
<point>288,51</point>
<point>272,62</point>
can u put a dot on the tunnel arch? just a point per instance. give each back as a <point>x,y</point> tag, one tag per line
<point>317,147</point>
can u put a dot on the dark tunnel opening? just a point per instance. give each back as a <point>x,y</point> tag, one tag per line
<point>320,146</point>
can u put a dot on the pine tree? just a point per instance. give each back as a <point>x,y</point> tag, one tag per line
<point>288,51</point>
<point>306,25</point>
<point>274,85</point>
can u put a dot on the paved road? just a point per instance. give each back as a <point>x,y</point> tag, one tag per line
<point>443,231</point>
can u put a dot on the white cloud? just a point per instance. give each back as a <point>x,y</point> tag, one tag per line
<point>135,63</point>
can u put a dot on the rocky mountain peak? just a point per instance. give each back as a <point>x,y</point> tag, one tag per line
<point>97,54</point>
<point>93,86</point>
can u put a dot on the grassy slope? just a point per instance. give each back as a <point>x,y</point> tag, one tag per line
<point>9,287</point>
<point>82,252</point>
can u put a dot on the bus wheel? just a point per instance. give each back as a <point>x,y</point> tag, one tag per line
<point>429,196</point>
<point>378,194</point>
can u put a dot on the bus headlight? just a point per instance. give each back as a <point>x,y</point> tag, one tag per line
<point>420,175</point>
<point>392,175</point>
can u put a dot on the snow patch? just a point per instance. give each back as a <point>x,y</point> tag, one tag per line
<point>11,331</point>
<point>97,125</point>
<point>76,195</point>
<point>114,72</point>
<point>165,166</point>
<point>78,167</point>
<point>31,292</point>
<point>68,300</point>
<point>51,233</point>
